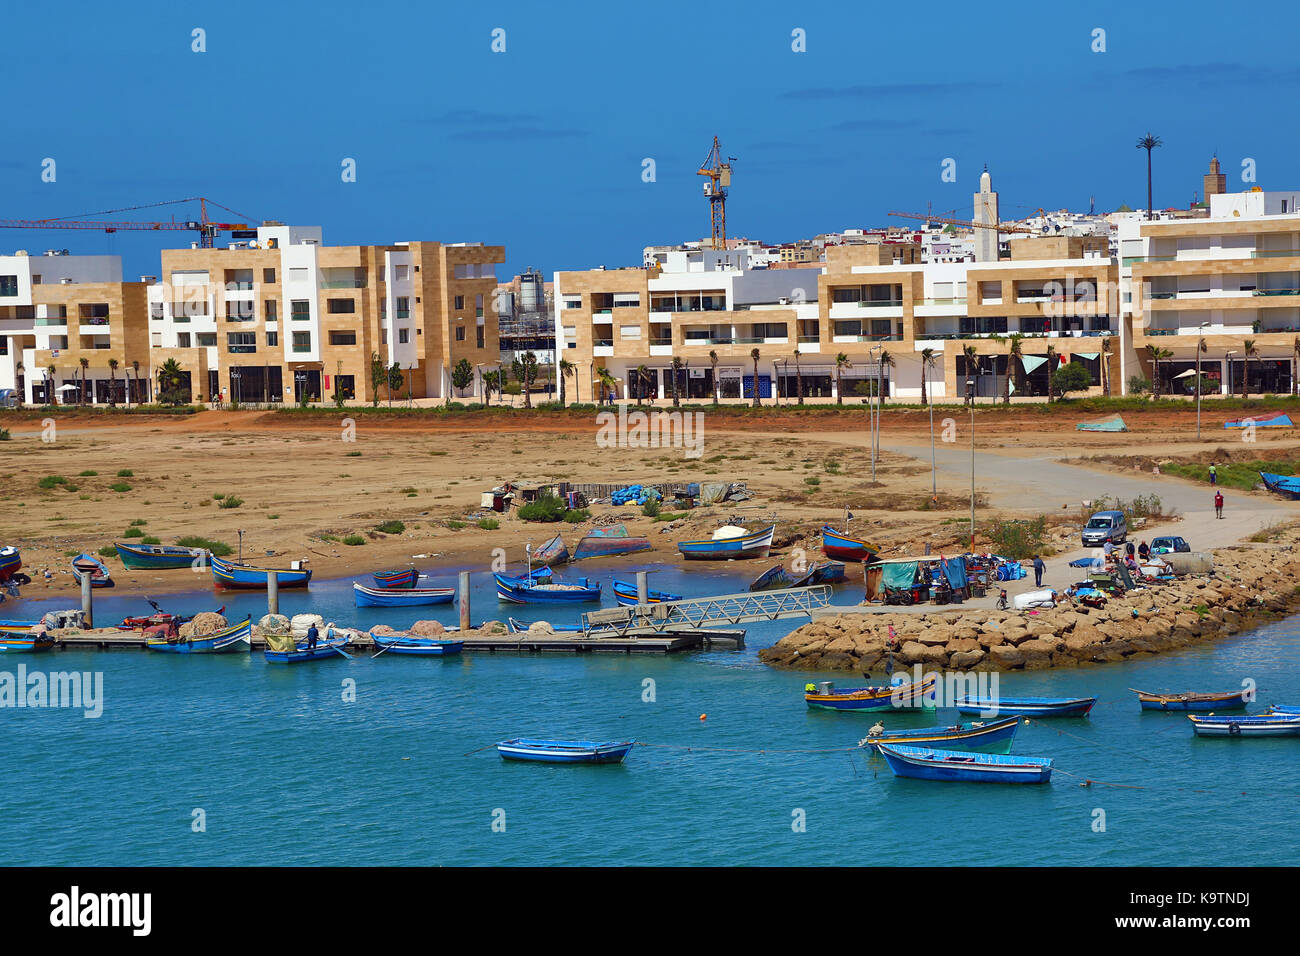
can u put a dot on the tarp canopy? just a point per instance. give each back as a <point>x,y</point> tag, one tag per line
<point>1112,423</point>
<point>898,574</point>
<point>955,568</point>
<point>1088,355</point>
<point>1031,362</point>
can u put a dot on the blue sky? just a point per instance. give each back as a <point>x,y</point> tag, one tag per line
<point>540,148</point>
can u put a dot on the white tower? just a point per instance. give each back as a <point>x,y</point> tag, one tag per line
<point>986,213</point>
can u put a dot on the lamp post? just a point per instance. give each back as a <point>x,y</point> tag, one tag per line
<point>1227,360</point>
<point>241,545</point>
<point>871,418</point>
<point>236,392</point>
<point>934,480</point>
<point>970,393</point>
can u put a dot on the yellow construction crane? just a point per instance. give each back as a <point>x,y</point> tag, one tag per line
<point>970,224</point>
<point>715,189</point>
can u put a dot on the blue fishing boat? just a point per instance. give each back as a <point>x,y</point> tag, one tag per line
<point>625,595</point>
<point>729,543</point>
<point>993,737</point>
<point>824,572</point>
<point>539,574</point>
<point>843,547</point>
<point>414,645</point>
<point>1262,725</point>
<point>774,577</point>
<point>18,627</point>
<point>237,637</point>
<point>1026,706</point>
<point>84,564</point>
<point>157,557</point>
<point>396,579</point>
<point>1288,486</point>
<point>11,562</point>
<point>1285,709</point>
<point>607,543</point>
<point>521,627</point>
<point>231,574</point>
<point>400,597</point>
<point>324,648</point>
<point>564,751</point>
<point>23,642</point>
<point>908,696</point>
<point>1232,700</point>
<point>525,591</point>
<point>554,551</point>
<point>954,766</point>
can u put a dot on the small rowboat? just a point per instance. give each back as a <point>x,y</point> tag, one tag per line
<point>231,574</point>
<point>419,646</point>
<point>911,696</point>
<point>554,551</point>
<point>564,751</point>
<point>755,545</point>
<point>153,557</point>
<point>625,595</point>
<point>1288,486</point>
<point>993,737</point>
<point>1264,725</point>
<point>524,591</point>
<point>19,627</point>
<point>1027,706</point>
<point>1284,710</point>
<point>326,648</point>
<point>955,766</point>
<point>400,597</point>
<point>1232,700</point>
<point>825,572</point>
<point>11,562</point>
<point>521,627</point>
<point>608,542</point>
<point>91,565</point>
<point>396,579</point>
<point>841,547</point>
<point>237,637</point>
<point>17,642</point>
<point>774,577</point>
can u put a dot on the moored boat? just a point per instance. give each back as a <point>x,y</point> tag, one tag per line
<point>729,543</point>
<point>526,591</point>
<point>1287,709</point>
<point>953,766</point>
<point>564,751</point>
<point>329,647</point>
<point>1262,725</point>
<point>554,551</point>
<point>84,564</point>
<point>993,737</point>
<point>20,642</point>
<point>19,627</point>
<point>908,696</point>
<point>1026,706</point>
<point>843,547</point>
<point>416,645</point>
<point>154,557</point>
<point>521,627</point>
<point>236,637</point>
<point>11,562</point>
<point>1191,701</point>
<point>400,597</point>
<point>396,579</point>
<point>625,595</point>
<point>231,574</point>
<point>608,543</point>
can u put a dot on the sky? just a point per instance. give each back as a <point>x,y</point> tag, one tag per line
<point>542,147</point>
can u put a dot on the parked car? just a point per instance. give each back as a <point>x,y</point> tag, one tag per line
<point>1105,526</point>
<point>1169,543</point>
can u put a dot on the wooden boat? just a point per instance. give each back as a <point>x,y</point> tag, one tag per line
<point>955,766</point>
<point>774,577</point>
<point>824,572</point>
<point>231,574</point>
<point>1288,486</point>
<point>24,642</point>
<point>389,580</point>
<point>564,751</point>
<point>237,637</point>
<point>11,562</point>
<point>328,647</point>
<point>19,627</point>
<point>153,557</point>
<point>609,542</point>
<point>521,627</point>
<point>755,545</point>
<point>414,645</point>
<point>1284,710</point>
<point>525,591</point>
<point>1027,706</point>
<point>89,564</point>
<point>842,547</point>
<point>1232,700</point>
<point>993,737</point>
<point>910,696</point>
<point>400,597</point>
<point>554,551</point>
<point>625,595</point>
<point>1262,725</point>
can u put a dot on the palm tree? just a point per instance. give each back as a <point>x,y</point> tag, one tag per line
<point>1014,353</point>
<point>972,368</point>
<point>49,385</point>
<point>886,361</point>
<point>927,365</point>
<point>606,379</point>
<point>842,362</point>
<point>753,353</point>
<point>1051,373</point>
<point>1248,351</point>
<point>567,368</point>
<point>640,375</point>
<point>112,382</point>
<point>1155,353</point>
<point>676,367</point>
<point>1105,367</point>
<point>713,361</point>
<point>85,364</point>
<point>798,374</point>
<point>169,380</point>
<point>1149,142</point>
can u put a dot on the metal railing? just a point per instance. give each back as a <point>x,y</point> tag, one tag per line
<point>746,607</point>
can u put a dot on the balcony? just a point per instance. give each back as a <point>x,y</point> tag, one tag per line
<point>867,338</point>
<point>881,304</point>
<point>602,343</point>
<point>343,284</point>
<point>248,349</point>
<point>55,322</point>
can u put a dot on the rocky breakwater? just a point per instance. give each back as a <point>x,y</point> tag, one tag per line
<point>1249,585</point>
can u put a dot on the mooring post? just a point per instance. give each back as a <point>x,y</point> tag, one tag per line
<point>87,601</point>
<point>464,600</point>
<point>273,592</point>
<point>643,587</point>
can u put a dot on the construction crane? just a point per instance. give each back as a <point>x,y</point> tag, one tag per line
<point>999,226</point>
<point>719,174</point>
<point>205,227</point>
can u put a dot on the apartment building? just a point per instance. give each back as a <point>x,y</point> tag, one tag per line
<point>58,310</point>
<point>1230,281</point>
<point>284,316</point>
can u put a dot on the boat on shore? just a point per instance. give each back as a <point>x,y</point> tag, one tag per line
<point>607,543</point>
<point>771,579</point>
<point>301,653</point>
<point>84,564</point>
<point>159,557</point>
<point>993,737</point>
<point>1263,725</point>
<point>729,543</point>
<point>625,595</point>
<point>843,547</point>
<point>554,551</point>
<point>1231,700</point>
<point>415,645</point>
<point>1288,486</point>
<point>390,580</point>
<point>1026,706</point>
<point>909,696</point>
<point>564,751</point>
<point>824,572</point>
<point>533,591</point>
<point>233,575</point>
<point>237,637</point>
<point>11,562</point>
<point>363,596</point>
<point>955,766</point>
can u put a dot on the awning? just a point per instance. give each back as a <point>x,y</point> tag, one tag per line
<point>1088,355</point>
<point>1031,362</point>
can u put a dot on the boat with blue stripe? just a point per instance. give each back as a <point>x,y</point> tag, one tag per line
<point>1026,706</point>
<point>1285,709</point>
<point>17,642</point>
<point>842,547</point>
<point>1231,700</point>
<point>730,546</point>
<point>237,637</point>
<point>14,627</point>
<point>625,595</point>
<point>364,596</point>
<point>1262,725</point>
<point>406,578</point>
<point>993,737</point>
<point>11,562</point>
<point>548,591</point>
<point>564,751</point>
<point>88,564</point>
<point>415,645</point>
<point>905,696</point>
<point>232,574</point>
<point>329,647</point>
<point>159,557</point>
<point>956,766</point>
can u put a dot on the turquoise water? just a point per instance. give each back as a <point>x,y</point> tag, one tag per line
<point>287,772</point>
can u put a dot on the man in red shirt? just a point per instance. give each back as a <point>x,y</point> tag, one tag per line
<point>1218,504</point>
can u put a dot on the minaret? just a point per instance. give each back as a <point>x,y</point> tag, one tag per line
<point>1216,184</point>
<point>986,212</point>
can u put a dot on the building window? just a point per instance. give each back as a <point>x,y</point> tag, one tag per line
<point>300,310</point>
<point>270,310</point>
<point>272,339</point>
<point>403,307</point>
<point>478,306</point>
<point>8,285</point>
<point>93,313</point>
<point>343,338</point>
<point>205,339</point>
<point>342,306</point>
<point>402,272</point>
<point>302,341</point>
<point>241,342</point>
<point>479,331</point>
<point>460,334</point>
<point>268,276</point>
<point>458,301</point>
<point>155,310</point>
<point>403,336</point>
<point>182,340</point>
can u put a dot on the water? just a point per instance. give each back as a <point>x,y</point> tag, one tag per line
<point>286,772</point>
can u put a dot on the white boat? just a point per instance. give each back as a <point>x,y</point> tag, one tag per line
<point>1265,725</point>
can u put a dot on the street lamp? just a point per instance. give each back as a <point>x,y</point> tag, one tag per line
<point>970,394</point>
<point>872,417</point>
<point>1227,359</point>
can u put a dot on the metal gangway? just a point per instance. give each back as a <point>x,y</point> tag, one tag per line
<point>706,612</point>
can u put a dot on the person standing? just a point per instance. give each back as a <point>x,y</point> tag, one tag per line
<point>1218,504</point>
<point>1039,568</point>
<point>1214,475</point>
<point>1144,551</point>
<point>312,634</point>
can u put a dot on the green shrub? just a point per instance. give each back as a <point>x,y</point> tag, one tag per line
<point>133,533</point>
<point>546,507</point>
<point>1137,385</point>
<point>51,481</point>
<point>651,508</point>
<point>219,548</point>
<point>353,540</point>
<point>455,525</point>
<point>107,551</point>
<point>230,501</point>
<point>1019,539</point>
<point>354,454</point>
<point>120,487</point>
<point>150,539</point>
<point>126,473</point>
<point>88,473</point>
<point>391,527</point>
<point>573,517</point>
<point>138,522</point>
<point>4,434</point>
<point>489,524</point>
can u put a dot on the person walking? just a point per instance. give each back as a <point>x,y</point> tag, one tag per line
<point>1218,504</point>
<point>1039,568</point>
<point>1214,475</point>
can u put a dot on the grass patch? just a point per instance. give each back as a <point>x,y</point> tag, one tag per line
<point>230,501</point>
<point>219,548</point>
<point>455,525</point>
<point>51,481</point>
<point>1019,539</point>
<point>107,551</point>
<point>150,539</point>
<point>126,473</point>
<point>88,473</point>
<point>353,540</point>
<point>489,524</point>
<point>138,522</point>
<point>121,487</point>
<point>1242,475</point>
<point>133,533</point>
<point>354,454</point>
<point>391,527</point>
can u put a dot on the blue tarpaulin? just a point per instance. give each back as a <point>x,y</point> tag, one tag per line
<point>1277,421</point>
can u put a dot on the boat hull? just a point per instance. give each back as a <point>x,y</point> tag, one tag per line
<point>994,737</point>
<point>1185,703</point>
<point>608,546</point>
<point>842,547</point>
<point>322,650</point>
<point>1262,726</point>
<point>564,751</point>
<point>416,646</point>
<point>950,766</point>
<point>517,591</point>
<point>84,564</point>
<point>227,641</point>
<point>1027,706</point>
<point>521,627</point>
<point>158,557</point>
<point>15,643</point>
<point>554,551</point>
<point>396,579</point>
<point>11,562</point>
<point>1288,486</point>
<point>756,545</point>
<point>625,595</point>
<point>400,597</point>
<point>227,575</point>
<point>910,696</point>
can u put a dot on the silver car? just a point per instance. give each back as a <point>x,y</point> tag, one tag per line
<point>1105,526</point>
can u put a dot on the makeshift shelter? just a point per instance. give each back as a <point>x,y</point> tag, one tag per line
<point>1277,421</point>
<point>1111,423</point>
